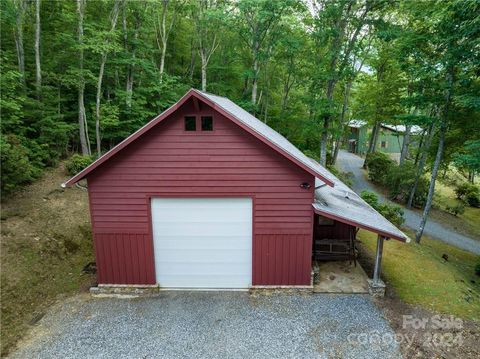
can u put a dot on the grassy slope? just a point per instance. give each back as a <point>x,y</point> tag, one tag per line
<point>420,276</point>
<point>467,223</point>
<point>45,244</point>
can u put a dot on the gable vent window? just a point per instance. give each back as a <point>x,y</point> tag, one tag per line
<point>190,123</point>
<point>207,123</point>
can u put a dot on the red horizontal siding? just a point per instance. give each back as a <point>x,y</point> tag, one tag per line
<point>167,161</point>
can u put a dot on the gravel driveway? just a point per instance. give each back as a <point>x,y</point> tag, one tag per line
<point>349,162</point>
<point>213,325</point>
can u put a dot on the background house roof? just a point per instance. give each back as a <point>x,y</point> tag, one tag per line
<point>402,128</point>
<point>344,205</point>
<point>356,123</point>
<point>397,128</point>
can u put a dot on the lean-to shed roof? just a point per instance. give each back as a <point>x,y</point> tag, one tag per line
<point>344,205</point>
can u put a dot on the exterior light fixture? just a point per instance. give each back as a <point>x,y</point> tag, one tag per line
<point>305,185</point>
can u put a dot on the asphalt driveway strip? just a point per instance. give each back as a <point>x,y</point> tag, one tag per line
<point>181,324</point>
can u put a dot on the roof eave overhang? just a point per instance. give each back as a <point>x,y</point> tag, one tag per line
<point>360,225</point>
<point>265,140</point>
<point>192,92</point>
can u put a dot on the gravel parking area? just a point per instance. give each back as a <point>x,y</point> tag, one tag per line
<point>213,325</point>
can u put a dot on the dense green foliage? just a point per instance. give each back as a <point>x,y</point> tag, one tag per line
<point>76,163</point>
<point>80,76</point>
<point>397,179</point>
<point>378,164</point>
<point>455,209</point>
<point>391,212</point>
<point>468,193</point>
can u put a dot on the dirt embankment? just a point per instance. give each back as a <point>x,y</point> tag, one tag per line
<point>45,244</point>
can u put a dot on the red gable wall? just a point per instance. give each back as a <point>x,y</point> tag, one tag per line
<point>167,161</point>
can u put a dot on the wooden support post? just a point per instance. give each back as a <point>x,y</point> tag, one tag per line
<point>378,260</point>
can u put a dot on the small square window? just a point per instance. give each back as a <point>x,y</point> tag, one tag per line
<point>384,144</point>
<point>207,123</point>
<point>190,123</point>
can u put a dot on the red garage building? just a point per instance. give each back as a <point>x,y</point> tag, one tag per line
<point>207,196</point>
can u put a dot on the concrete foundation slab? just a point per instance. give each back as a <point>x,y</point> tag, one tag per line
<point>340,277</point>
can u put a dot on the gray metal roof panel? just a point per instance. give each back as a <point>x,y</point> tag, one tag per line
<point>342,202</point>
<point>268,133</point>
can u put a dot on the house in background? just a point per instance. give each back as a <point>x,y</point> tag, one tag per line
<point>390,138</point>
<point>207,196</point>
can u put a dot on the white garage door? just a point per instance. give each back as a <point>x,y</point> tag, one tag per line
<point>203,242</point>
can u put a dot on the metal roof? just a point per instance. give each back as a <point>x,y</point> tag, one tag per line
<point>234,113</point>
<point>268,133</point>
<point>344,205</point>
<point>414,129</point>
<point>356,123</point>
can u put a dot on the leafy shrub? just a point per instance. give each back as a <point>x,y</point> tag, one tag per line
<point>17,169</point>
<point>455,209</point>
<point>370,197</point>
<point>468,193</point>
<point>391,212</point>
<point>378,165</point>
<point>76,163</point>
<point>345,177</point>
<point>399,181</point>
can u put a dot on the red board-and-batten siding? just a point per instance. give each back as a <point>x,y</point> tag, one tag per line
<point>229,162</point>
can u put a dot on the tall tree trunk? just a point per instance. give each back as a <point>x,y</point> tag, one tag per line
<point>38,81</point>
<point>193,53</point>
<point>420,146</point>
<point>162,34</point>
<point>255,75</point>
<point>129,77</point>
<point>326,123</point>
<point>406,143</point>
<point>18,33</point>
<point>438,157</point>
<point>82,118</point>
<point>204,71</point>
<point>114,18</point>
<point>162,59</point>
<point>421,165</point>
<point>205,48</point>
<point>339,140</point>
<point>97,105</point>
<point>130,74</point>
<point>372,146</point>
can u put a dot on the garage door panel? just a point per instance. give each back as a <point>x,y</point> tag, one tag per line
<point>202,268</point>
<point>201,229</point>
<point>204,214</point>
<point>222,241</point>
<point>202,281</point>
<point>205,255</point>
<point>203,242</point>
